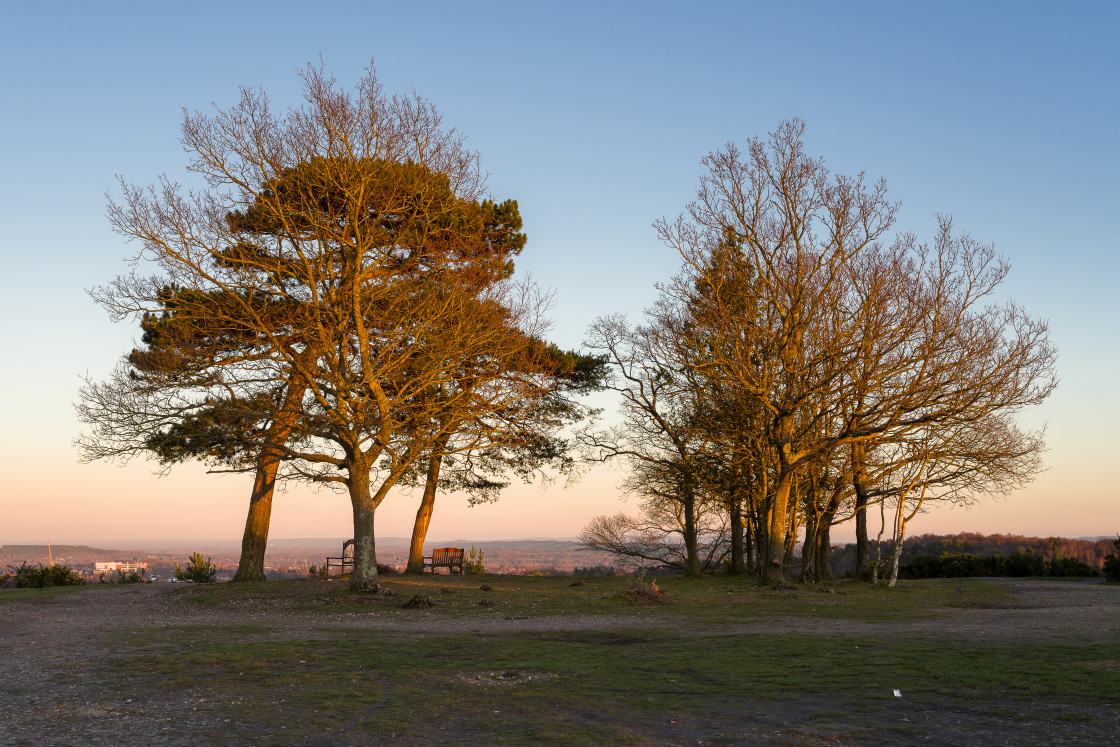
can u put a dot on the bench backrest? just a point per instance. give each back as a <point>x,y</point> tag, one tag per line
<point>442,555</point>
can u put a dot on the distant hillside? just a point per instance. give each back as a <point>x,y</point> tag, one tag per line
<point>65,554</point>
<point>1090,552</point>
<point>533,544</point>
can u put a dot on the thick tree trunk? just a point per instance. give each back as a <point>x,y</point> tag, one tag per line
<point>823,563</point>
<point>859,484</point>
<point>692,553</point>
<point>737,564</point>
<point>749,544</point>
<point>762,535</point>
<point>255,539</point>
<point>424,516</point>
<point>809,550</point>
<point>364,576</point>
<point>774,571</point>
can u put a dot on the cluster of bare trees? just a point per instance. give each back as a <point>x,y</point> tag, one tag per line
<point>336,306</point>
<point>808,366</point>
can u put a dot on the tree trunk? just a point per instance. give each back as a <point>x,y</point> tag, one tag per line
<point>364,576</point>
<point>899,535</point>
<point>895,557</point>
<point>823,563</point>
<point>809,550</point>
<point>762,534</point>
<point>792,512</point>
<point>692,554</point>
<point>737,565</point>
<point>255,539</point>
<point>424,514</point>
<point>774,571</point>
<point>859,483</point>
<point>749,547</point>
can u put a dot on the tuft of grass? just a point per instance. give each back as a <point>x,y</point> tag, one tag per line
<point>641,591</point>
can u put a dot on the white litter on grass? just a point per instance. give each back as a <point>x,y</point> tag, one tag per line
<point>898,693</point>
<point>503,678</point>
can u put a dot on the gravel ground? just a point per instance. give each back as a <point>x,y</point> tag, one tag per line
<point>47,646</point>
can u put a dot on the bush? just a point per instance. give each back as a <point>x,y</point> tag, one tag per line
<point>1021,563</point>
<point>954,565</point>
<point>641,591</point>
<point>40,577</point>
<point>1071,567</point>
<point>120,577</point>
<point>200,570</point>
<point>1112,563</point>
<point>599,570</point>
<point>1026,563</point>
<point>474,565</point>
<point>964,565</point>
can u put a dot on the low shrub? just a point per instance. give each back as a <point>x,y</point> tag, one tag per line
<point>473,564</point>
<point>200,570</point>
<point>1112,563</point>
<point>120,577</point>
<point>41,577</point>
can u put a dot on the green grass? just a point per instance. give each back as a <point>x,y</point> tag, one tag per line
<point>12,595</point>
<point>711,599</point>
<point>674,674</point>
<point>571,686</point>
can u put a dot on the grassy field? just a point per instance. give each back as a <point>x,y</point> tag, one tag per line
<point>708,598</point>
<point>507,664</point>
<point>13,595</point>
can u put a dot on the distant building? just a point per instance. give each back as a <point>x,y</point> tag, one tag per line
<point>128,566</point>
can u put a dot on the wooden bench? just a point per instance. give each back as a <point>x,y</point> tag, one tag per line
<point>345,562</point>
<point>450,558</point>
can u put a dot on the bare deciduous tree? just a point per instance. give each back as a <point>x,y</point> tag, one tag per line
<point>841,340</point>
<point>658,437</point>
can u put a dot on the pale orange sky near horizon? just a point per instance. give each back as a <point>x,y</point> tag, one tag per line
<point>111,503</point>
<point>597,128</point>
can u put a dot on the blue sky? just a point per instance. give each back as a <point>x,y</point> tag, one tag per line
<point>594,116</point>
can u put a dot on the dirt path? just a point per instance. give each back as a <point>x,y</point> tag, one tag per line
<point>47,645</point>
